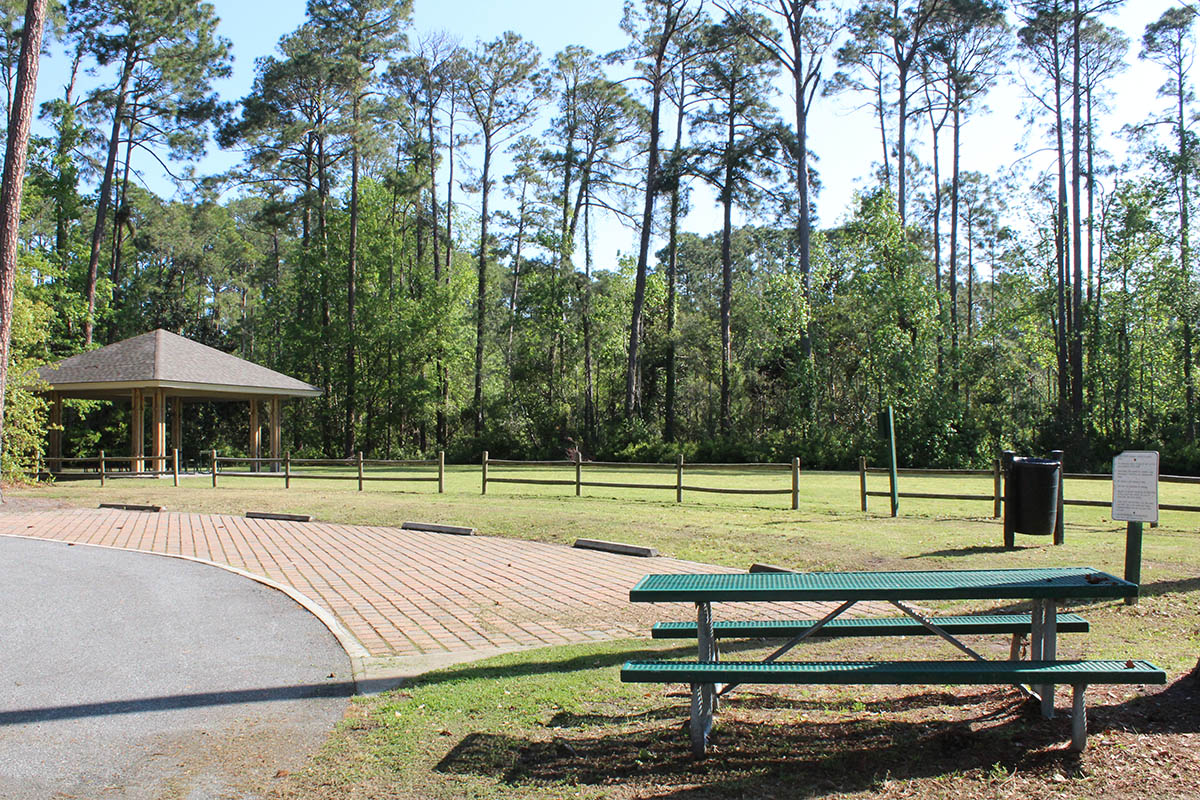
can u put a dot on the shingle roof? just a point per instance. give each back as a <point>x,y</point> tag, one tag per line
<point>164,359</point>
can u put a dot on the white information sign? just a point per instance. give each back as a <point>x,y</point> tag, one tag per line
<point>1135,486</point>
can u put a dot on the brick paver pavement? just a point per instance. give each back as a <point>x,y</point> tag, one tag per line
<point>410,593</point>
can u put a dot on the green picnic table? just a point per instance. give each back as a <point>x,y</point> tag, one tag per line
<point>1045,588</point>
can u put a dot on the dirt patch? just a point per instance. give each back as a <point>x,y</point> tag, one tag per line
<point>886,743</point>
<point>17,504</point>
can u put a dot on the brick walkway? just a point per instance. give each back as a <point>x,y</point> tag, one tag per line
<point>408,593</point>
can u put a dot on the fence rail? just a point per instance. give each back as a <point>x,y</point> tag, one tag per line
<point>997,495</point>
<point>679,487</point>
<point>136,465</point>
<point>284,469</point>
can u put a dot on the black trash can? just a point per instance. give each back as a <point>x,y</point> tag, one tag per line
<point>1035,484</point>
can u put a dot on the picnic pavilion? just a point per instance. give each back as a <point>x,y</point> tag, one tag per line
<point>164,369</point>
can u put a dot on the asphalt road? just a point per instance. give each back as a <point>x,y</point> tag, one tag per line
<point>126,675</point>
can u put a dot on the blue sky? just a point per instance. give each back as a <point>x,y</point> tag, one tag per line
<point>844,139</point>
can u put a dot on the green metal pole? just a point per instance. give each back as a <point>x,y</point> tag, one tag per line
<point>1133,556</point>
<point>892,445</point>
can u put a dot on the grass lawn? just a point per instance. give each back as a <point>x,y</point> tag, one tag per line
<point>558,722</point>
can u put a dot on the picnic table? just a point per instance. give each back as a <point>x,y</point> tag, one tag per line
<point>1045,588</point>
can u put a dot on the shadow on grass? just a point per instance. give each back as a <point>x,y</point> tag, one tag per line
<point>1145,590</point>
<point>788,759</point>
<point>1176,709</point>
<point>753,700</point>
<point>1155,588</point>
<point>960,552</point>
<point>572,664</point>
<point>796,757</point>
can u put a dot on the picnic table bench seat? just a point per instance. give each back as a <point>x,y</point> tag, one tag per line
<point>1079,674</point>
<point>1015,624</point>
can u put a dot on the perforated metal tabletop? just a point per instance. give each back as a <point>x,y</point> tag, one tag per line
<point>1001,584</point>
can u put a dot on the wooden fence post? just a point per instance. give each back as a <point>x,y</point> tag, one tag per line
<point>484,472</point>
<point>360,471</point>
<point>679,478</point>
<point>862,480</point>
<point>996,491</point>
<point>175,464</point>
<point>441,471</point>
<point>214,468</point>
<point>795,482</point>
<point>578,473</point>
<point>102,468</point>
<point>287,470</point>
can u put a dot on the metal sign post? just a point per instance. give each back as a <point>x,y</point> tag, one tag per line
<point>1135,501</point>
<point>891,423</point>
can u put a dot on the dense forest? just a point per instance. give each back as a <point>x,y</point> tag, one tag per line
<point>412,228</point>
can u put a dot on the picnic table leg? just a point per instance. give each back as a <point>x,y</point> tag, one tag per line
<point>1014,649</point>
<point>1037,619</point>
<point>703,694</point>
<point>1049,651</point>
<point>1078,719</point>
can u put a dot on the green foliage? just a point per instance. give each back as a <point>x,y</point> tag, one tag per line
<point>349,257</point>
<point>25,410</point>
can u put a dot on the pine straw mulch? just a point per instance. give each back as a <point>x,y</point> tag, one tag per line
<point>966,742</point>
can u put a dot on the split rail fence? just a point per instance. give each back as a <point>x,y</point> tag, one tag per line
<point>678,487</point>
<point>282,468</point>
<point>578,475</point>
<point>997,495</point>
<point>105,466</point>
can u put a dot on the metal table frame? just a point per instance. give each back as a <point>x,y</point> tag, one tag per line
<point>1046,587</point>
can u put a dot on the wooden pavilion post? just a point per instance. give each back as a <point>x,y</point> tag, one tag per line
<point>137,432</point>
<point>177,422</point>
<point>56,431</point>
<point>158,430</point>
<point>255,434</point>
<point>276,430</point>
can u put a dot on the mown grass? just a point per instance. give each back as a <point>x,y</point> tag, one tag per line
<point>828,531</point>
<point>558,723</point>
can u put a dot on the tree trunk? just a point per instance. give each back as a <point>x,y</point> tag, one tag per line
<point>13,179</point>
<point>1060,243</point>
<point>433,204</point>
<point>326,316</point>
<point>121,210</point>
<point>672,273</point>
<point>589,397</point>
<point>727,271</point>
<point>449,202</point>
<point>901,144</point>
<point>804,223</point>
<point>953,278</point>
<point>516,278</point>
<point>481,293</point>
<point>352,293</point>
<point>632,384</point>
<point>1185,256</point>
<point>935,128</point>
<point>102,199</point>
<point>1076,354</point>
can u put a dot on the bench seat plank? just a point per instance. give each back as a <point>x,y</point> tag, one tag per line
<point>895,672</point>
<point>867,626</point>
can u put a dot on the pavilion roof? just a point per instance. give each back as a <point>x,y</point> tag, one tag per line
<point>161,359</point>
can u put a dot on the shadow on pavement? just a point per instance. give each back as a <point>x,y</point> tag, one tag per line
<point>172,702</point>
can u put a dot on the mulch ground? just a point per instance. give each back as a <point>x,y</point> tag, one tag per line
<point>887,743</point>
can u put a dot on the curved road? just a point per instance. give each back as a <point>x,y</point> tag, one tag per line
<point>127,675</point>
